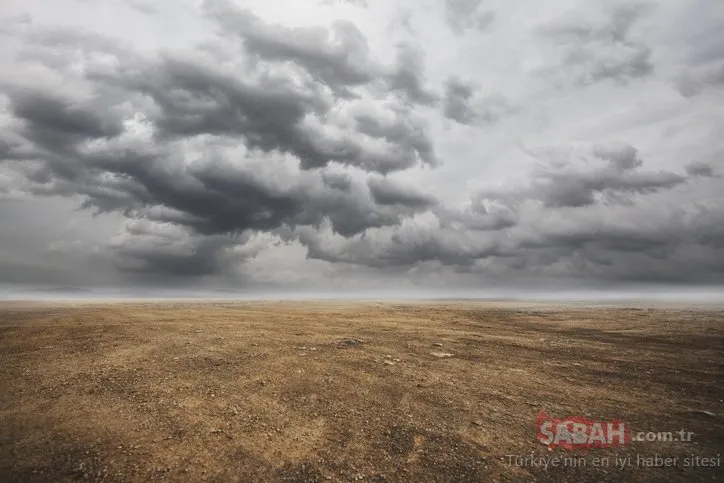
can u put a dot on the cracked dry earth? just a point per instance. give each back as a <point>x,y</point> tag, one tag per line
<point>342,391</point>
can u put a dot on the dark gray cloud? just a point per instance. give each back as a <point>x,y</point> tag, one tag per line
<point>403,131</point>
<point>686,248</point>
<point>146,250</point>
<point>480,213</point>
<point>211,197</point>
<point>606,50</point>
<point>692,82</point>
<point>340,181</point>
<point>339,58</point>
<point>192,100</point>
<point>387,192</point>
<point>464,103</point>
<point>408,76</point>
<point>614,181</point>
<point>623,157</point>
<point>340,62</point>
<point>244,149</point>
<point>682,246</point>
<point>195,100</point>
<point>463,15</point>
<point>698,168</point>
<point>49,119</point>
<point>407,245</point>
<point>564,221</point>
<point>456,105</point>
<point>144,170</point>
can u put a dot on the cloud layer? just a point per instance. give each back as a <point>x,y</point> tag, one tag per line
<point>288,152</point>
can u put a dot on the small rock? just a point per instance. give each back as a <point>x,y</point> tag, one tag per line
<point>441,355</point>
<point>437,344</point>
<point>705,413</point>
<point>343,343</point>
<point>389,363</point>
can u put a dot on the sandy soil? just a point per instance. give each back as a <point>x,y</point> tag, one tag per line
<point>339,391</point>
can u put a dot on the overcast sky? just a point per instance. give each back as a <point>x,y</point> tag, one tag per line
<point>437,147</point>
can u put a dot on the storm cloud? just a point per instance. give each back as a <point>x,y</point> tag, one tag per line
<point>610,176</point>
<point>313,147</point>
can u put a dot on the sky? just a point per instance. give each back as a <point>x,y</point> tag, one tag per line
<point>409,147</point>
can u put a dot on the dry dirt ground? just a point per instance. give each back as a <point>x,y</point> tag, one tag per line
<point>340,391</point>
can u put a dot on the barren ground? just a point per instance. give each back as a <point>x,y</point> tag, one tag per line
<point>340,391</point>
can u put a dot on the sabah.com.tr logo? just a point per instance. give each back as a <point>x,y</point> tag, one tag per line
<point>580,432</point>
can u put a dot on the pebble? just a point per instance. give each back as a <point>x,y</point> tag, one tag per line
<point>441,355</point>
